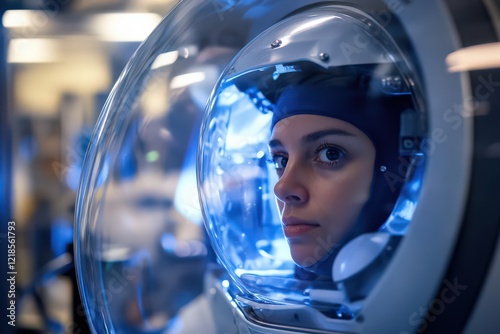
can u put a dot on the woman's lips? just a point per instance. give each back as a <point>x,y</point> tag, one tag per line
<point>294,227</point>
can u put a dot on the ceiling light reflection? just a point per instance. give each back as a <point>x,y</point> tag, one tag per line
<point>475,57</point>
<point>33,50</point>
<point>187,79</point>
<point>124,27</point>
<point>21,18</point>
<point>164,59</point>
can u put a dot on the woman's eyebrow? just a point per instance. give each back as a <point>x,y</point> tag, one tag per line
<point>314,136</point>
<point>275,143</point>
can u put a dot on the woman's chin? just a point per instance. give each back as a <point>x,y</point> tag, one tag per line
<point>306,255</point>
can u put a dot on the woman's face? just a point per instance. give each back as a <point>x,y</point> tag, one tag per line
<point>325,169</point>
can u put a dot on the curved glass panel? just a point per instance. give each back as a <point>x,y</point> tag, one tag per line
<point>265,153</point>
<point>140,246</point>
<point>140,243</point>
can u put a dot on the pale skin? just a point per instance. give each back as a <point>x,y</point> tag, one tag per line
<point>325,169</point>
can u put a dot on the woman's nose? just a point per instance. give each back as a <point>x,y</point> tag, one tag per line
<point>291,187</point>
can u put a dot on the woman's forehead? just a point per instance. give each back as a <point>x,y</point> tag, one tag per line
<point>303,124</point>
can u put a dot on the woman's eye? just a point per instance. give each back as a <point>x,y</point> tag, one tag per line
<point>280,161</point>
<point>330,154</point>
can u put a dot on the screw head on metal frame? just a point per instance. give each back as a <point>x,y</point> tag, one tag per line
<point>276,43</point>
<point>324,56</point>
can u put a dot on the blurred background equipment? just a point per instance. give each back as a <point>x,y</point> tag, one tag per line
<point>59,60</point>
